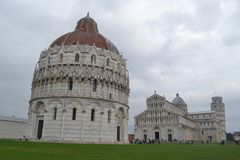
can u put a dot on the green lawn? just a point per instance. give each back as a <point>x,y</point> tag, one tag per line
<point>18,150</point>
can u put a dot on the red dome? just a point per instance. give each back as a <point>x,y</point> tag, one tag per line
<point>85,33</point>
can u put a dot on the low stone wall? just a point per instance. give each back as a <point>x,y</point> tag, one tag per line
<point>12,128</point>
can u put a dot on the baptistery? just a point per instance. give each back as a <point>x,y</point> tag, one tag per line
<point>80,89</point>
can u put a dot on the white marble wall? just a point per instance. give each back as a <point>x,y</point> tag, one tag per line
<point>163,117</point>
<point>81,130</point>
<point>52,78</point>
<point>50,89</point>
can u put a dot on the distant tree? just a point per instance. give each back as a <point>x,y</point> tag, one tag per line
<point>230,137</point>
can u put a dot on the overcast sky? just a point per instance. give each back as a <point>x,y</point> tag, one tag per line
<point>189,46</point>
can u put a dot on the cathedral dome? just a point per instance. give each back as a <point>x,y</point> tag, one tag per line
<point>178,101</point>
<point>85,33</point>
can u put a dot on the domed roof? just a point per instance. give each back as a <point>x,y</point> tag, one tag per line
<point>85,33</point>
<point>178,101</point>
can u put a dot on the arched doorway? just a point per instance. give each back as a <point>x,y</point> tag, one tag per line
<point>120,126</point>
<point>169,135</point>
<point>145,137</point>
<point>40,109</point>
<point>156,133</point>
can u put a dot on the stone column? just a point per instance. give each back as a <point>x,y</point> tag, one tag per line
<point>53,87</point>
<point>82,129</point>
<point>48,87</point>
<point>100,140</point>
<point>33,125</point>
<point>66,87</point>
<point>90,87</point>
<point>29,126</point>
<point>44,122</point>
<point>63,120</point>
<point>125,131</point>
<point>115,128</point>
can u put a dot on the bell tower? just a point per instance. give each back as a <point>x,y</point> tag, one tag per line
<point>218,106</point>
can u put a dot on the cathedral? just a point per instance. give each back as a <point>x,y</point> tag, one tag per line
<point>80,90</point>
<point>170,121</point>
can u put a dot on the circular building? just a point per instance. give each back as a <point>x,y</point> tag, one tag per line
<point>80,89</point>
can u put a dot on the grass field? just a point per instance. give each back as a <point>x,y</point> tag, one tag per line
<point>19,150</point>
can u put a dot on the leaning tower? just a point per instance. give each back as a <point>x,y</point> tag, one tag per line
<point>80,89</point>
<point>218,106</point>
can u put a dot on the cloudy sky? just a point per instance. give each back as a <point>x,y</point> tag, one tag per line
<point>189,46</point>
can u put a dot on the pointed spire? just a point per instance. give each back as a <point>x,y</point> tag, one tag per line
<point>87,14</point>
<point>155,92</point>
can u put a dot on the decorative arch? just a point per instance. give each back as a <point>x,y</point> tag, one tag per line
<point>74,103</point>
<point>109,108</point>
<point>120,115</point>
<point>94,104</point>
<point>54,102</point>
<point>93,109</point>
<point>121,111</point>
<point>94,50</point>
<point>31,108</point>
<point>39,107</point>
<point>120,124</point>
<point>38,123</point>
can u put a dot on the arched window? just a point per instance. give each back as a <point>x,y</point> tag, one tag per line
<point>108,62</point>
<point>76,57</point>
<point>109,116</point>
<point>92,114</point>
<point>74,111</point>
<point>94,88</point>
<point>55,113</point>
<point>70,84</point>
<point>61,58</point>
<point>93,59</point>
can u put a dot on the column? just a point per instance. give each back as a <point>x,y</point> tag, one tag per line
<point>44,122</point>
<point>100,140</point>
<point>63,120</point>
<point>82,129</point>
